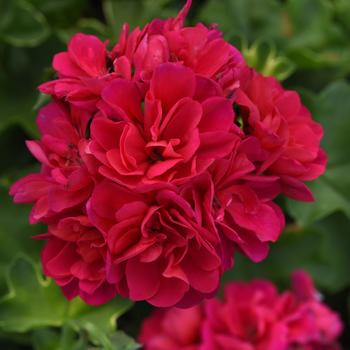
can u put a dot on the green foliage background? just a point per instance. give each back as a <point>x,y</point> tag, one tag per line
<point>305,43</point>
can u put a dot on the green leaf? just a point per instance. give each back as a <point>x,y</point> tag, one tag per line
<point>23,25</point>
<point>118,12</point>
<point>307,20</point>
<point>134,12</point>
<point>12,113</point>
<point>117,341</point>
<point>315,40</point>
<point>121,341</point>
<point>292,251</point>
<point>342,13</point>
<point>31,302</point>
<point>15,233</point>
<point>322,250</point>
<point>304,31</point>
<point>41,101</point>
<point>331,192</point>
<point>87,26</point>
<point>332,109</point>
<point>45,339</point>
<point>334,249</point>
<point>99,321</point>
<point>250,19</point>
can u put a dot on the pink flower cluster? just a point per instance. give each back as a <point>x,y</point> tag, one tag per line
<point>251,316</point>
<point>161,158</point>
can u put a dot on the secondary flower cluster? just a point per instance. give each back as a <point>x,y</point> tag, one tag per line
<point>251,316</point>
<point>161,157</point>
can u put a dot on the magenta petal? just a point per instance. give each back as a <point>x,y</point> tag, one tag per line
<point>103,294</point>
<point>182,83</point>
<point>253,248</point>
<point>203,281</point>
<point>191,298</point>
<point>296,189</point>
<point>89,53</point>
<point>170,292</point>
<point>37,152</point>
<point>124,97</point>
<point>216,144</point>
<point>181,16</point>
<point>63,64</point>
<point>30,188</point>
<point>177,123</point>
<point>217,115</point>
<point>247,242</point>
<point>143,279</point>
<point>206,88</point>
<point>71,290</point>
<point>106,132</point>
<point>58,257</point>
<point>303,285</point>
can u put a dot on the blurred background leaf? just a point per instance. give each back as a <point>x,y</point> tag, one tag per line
<point>21,24</point>
<point>322,249</point>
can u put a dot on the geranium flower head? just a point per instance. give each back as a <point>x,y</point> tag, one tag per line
<point>161,156</point>
<point>288,137</point>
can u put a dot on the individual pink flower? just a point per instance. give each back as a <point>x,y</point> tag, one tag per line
<point>163,247</point>
<point>86,58</point>
<point>180,133</point>
<point>64,182</point>
<point>53,194</point>
<point>251,223</point>
<point>250,316</point>
<point>74,256</point>
<point>62,130</point>
<point>245,216</point>
<point>288,137</point>
<point>82,72</point>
